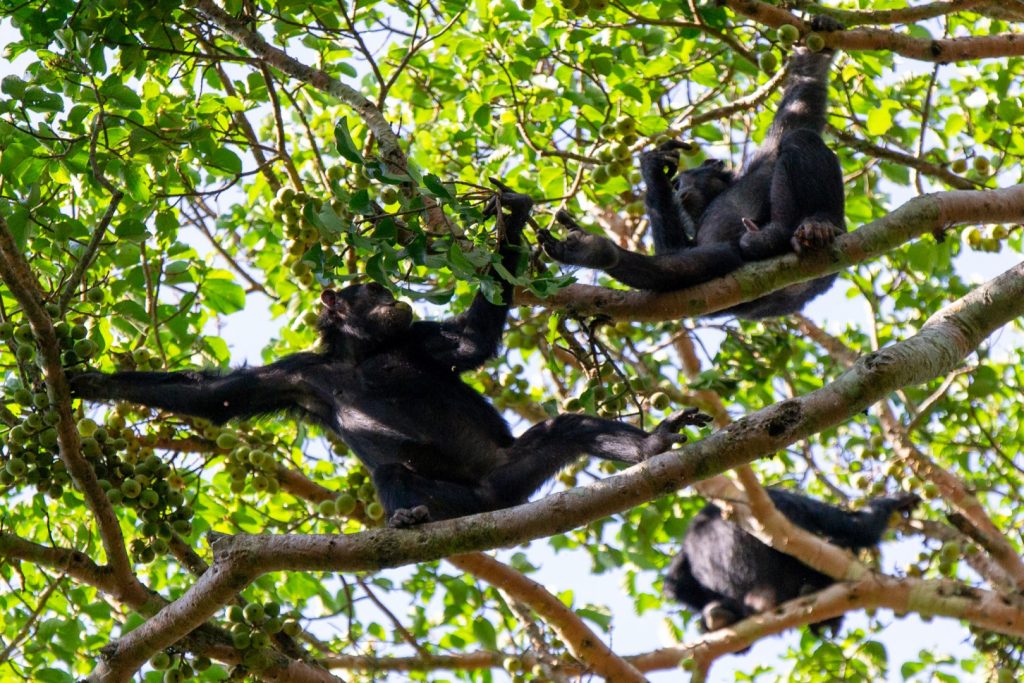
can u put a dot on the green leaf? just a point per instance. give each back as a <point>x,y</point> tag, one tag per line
<point>482,115</point>
<point>346,146</point>
<point>131,228</point>
<point>436,188</point>
<point>224,159</point>
<point>879,121</point>
<point>121,95</point>
<point>223,296</point>
<point>485,633</point>
<point>48,675</point>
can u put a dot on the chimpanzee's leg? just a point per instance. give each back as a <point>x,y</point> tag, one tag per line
<point>410,498</point>
<point>716,610</point>
<point>807,201</point>
<point>547,447</point>
<point>661,272</point>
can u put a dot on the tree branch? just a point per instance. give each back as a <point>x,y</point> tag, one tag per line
<point>19,278</point>
<point>581,640</point>
<point>986,609</point>
<point>953,489</point>
<point>920,215</point>
<point>904,159</point>
<point>390,147</point>
<point>923,49</point>
<point>902,15</point>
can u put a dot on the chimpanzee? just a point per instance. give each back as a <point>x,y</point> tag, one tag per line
<point>706,222</point>
<point>390,388</point>
<point>729,575</point>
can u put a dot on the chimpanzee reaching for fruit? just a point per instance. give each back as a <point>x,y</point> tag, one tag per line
<point>729,575</point>
<point>389,386</point>
<point>706,222</point>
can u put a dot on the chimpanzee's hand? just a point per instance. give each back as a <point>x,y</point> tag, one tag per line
<point>666,434</point>
<point>579,248</point>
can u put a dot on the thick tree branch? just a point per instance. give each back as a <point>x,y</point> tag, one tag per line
<point>923,49</point>
<point>940,345</point>
<point>953,489</point>
<point>985,609</point>
<point>921,215</point>
<point>76,564</point>
<point>903,15</point>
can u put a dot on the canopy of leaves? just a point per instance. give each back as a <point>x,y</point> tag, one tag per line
<point>163,167</point>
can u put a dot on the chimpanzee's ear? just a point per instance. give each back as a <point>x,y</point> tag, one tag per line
<point>333,302</point>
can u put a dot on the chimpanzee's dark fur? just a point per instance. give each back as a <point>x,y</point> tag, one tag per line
<point>726,574</point>
<point>706,222</point>
<point>390,388</point>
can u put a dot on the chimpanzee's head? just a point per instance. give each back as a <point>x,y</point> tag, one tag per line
<point>367,313</point>
<point>696,187</point>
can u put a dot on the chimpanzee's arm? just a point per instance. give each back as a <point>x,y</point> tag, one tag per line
<point>668,218</point>
<point>471,338</point>
<point>245,392</point>
<point>861,529</point>
<point>804,100</point>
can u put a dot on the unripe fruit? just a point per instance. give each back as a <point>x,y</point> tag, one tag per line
<point>149,499</point>
<point>87,427</point>
<point>131,488</point>
<point>25,352</point>
<point>254,613</point>
<point>389,195</point>
<point>16,467</point>
<point>958,165</point>
<point>85,348</point>
<point>814,42</point>
<point>769,61</point>
<point>345,504</point>
<point>950,552</point>
<point>788,34</point>
<point>374,510</point>
<point>974,237</point>
<point>660,400</point>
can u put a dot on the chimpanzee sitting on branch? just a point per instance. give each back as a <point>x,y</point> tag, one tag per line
<point>389,386</point>
<point>729,575</point>
<point>707,222</point>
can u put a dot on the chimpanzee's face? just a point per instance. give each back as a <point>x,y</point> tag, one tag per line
<point>366,311</point>
<point>696,187</point>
